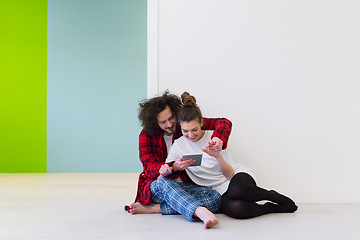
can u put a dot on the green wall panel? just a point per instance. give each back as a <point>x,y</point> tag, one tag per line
<point>23,53</point>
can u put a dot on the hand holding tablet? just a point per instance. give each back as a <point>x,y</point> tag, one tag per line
<point>197,157</point>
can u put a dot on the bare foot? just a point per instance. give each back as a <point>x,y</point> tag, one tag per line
<point>138,208</point>
<point>206,216</point>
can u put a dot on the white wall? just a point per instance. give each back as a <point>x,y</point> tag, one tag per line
<point>286,73</point>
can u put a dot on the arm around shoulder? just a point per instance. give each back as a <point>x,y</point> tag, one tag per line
<point>221,126</point>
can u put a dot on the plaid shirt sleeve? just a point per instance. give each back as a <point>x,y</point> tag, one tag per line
<point>152,154</point>
<point>221,126</point>
<point>152,157</point>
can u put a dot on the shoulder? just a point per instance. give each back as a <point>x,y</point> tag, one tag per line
<point>143,133</point>
<point>209,132</point>
<point>145,136</point>
<point>180,143</point>
<point>205,139</point>
<point>180,140</point>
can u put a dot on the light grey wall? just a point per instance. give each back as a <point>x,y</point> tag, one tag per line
<point>286,73</point>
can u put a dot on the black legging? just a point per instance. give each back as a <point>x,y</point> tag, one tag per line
<point>239,201</point>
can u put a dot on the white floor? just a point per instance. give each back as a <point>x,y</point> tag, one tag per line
<point>90,206</point>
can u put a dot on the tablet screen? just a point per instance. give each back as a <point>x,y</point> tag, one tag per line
<point>197,157</point>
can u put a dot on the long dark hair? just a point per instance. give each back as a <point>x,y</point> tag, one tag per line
<point>150,109</point>
<point>189,110</point>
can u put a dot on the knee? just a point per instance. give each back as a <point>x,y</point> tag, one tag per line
<point>164,182</point>
<point>210,199</point>
<point>234,208</point>
<point>237,192</point>
<point>206,191</point>
<point>211,194</point>
<point>243,178</point>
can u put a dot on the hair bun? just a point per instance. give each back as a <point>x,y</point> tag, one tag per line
<point>188,100</point>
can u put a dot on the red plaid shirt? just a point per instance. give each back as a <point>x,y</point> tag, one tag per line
<point>153,153</point>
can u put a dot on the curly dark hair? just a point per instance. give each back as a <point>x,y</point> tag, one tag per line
<point>150,109</point>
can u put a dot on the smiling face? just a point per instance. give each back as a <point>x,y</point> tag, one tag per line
<point>167,121</point>
<point>192,130</point>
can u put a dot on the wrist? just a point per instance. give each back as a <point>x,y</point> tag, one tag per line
<point>218,157</point>
<point>172,164</point>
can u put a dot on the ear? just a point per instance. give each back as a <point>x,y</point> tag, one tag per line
<point>202,122</point>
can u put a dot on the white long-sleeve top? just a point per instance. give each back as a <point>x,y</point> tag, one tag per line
<point>209,173</point>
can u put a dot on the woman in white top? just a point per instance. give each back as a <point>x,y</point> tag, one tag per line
<point>235,182</point>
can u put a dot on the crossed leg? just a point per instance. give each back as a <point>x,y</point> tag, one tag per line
<point>243,193</point>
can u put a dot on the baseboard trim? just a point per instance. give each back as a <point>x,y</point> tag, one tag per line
<point>323,196</point>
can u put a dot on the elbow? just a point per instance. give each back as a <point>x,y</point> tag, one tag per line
<point>231,174</point>
<point>229,123</point>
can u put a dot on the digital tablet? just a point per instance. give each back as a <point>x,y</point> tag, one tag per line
<point>197,157</point>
